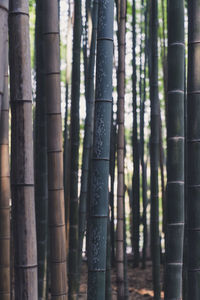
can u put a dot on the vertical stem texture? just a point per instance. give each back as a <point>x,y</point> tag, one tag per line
<point>101,153</point>
<point>5,180</point>
<point>120,150</point>
<point>22,177</point>
<point>41,176</point>
<point>73,276</point>
<point>154,149</point>
<point>193,151</point>
<point>55,158</point>
<point>175,153</point>
<point>88,128</point>
<point>136,162</point>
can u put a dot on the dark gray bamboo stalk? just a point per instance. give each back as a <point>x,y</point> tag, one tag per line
<point>136,159</point>
<point>73,277</point>
<point>175,154</point>
<point>145,202</point>
<point>66,163</point>
<point>163,26</point>
<point>144,175</point>
<point>154,149</point>
<point>185,245</point>
<point>141,68</point>
<point>57,233</point>
<point>41,175</point>
<point>165,86</point>
<point>108,295</point>
<point>126,290</point>
<point>120,149</point>
<point>66,152</point>
<point>101,153</point>
<point>193,151</point>
<point>85,41</point>
<point>130,196</point>
<point>163,53</point>
<point>5,186</point>
<point>22,177</point>
<point>162,175</point>
<point>112,179</point>
<point>87,137</point>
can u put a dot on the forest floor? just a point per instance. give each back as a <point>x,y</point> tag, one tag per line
<point>139,283</point>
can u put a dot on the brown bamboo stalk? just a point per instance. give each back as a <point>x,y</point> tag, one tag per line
<point>57,232</point>
<point>121,148</point>
<point>22,179</point>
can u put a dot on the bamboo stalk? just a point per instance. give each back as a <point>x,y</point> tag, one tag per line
<point>101,152</point>
<point>57,231</point>
<point>87,137</point>
<point>22,177</point>
<point>126,285</point>
<point>193,151</point>
<point>108,295</point>
<point>66,146</point>
<point>73,270</point>
<point>144,175</point>
<point>175,154</point>
<point>112,179</point>
<point>120,255</point>
<point>41,176</point>
<point>154,149</point>
<point>5,187</point>
<point>136,158</point>
<point>4,6</point>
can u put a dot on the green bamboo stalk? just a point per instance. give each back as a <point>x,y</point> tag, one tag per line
<point>41,175</point>
<point>101,151</point>
<point>120,149</point>
<point>56,211</point>
<point>175,154</point>
<point>87,137</point>
<point>5,187</point>
<point>154,148</point>
<point>136,159</point>
<point>22,177</point>
<point>193,151</point>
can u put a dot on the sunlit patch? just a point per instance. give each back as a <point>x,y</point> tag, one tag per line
<point>146,292</point>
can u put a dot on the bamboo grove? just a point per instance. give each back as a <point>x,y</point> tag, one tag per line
<point>99,149</point>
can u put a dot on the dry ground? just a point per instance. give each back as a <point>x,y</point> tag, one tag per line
<point>140,283</point>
